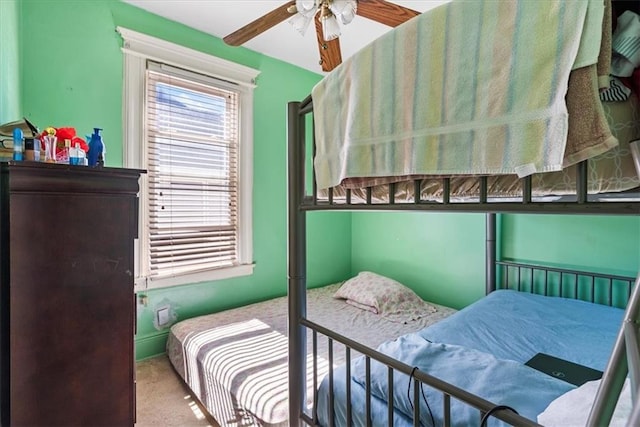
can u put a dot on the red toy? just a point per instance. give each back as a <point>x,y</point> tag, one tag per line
<point>61,135</point>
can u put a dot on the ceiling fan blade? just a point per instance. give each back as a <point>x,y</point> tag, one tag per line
<point>260,25</point>
<point>330,55</point>
<point>384,12</point>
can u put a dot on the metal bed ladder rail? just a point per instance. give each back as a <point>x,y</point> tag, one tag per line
<point>625,359</point>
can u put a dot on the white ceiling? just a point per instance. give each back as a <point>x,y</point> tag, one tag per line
<point>222,17</point>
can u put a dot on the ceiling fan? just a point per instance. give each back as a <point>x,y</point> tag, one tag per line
<point>326,14</point>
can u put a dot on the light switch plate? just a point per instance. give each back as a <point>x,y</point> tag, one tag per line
<point>162,316</point>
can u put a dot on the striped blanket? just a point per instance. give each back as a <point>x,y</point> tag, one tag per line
<point>467,88</point>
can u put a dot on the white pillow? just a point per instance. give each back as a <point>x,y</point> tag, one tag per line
<point>572,408</point>
<point>384,296</point>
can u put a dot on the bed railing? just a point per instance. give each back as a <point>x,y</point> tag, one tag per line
<point>606,289</point>
<point>394,367</point>
<point>624,360</point>
<point>581,202</point>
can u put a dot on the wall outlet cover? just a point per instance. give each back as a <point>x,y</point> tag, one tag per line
<point>163,315</point>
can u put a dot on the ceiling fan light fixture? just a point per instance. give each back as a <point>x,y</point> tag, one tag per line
<point>345,10</point>
<point>304,10</point>
<point>330,25</point>
<point>328,17</point>
<point>301,22</point>
<point>307,8</point>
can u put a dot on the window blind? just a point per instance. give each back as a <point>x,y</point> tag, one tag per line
<point>192,132</point>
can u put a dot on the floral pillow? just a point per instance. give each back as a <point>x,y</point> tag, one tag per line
<point>384,296</point>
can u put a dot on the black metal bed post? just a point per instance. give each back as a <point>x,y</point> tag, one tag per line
<point>623,359</point>
<point>490,253</point>
<point>297,261</point>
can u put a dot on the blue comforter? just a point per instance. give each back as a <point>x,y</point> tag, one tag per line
<point>516,325</point>
<point>503,382</point>
<point>482,349</point>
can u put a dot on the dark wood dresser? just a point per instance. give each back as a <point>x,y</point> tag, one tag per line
<point>67,304</point>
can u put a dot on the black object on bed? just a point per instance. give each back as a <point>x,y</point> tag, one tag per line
<point>563,369</point>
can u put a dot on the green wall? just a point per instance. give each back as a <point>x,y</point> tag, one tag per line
<point>441,256</point>
<point>72,75</point>
<point>10,108</point>
<point>598,243</point>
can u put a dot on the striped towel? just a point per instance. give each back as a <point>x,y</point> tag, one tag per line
<point>466,88</point>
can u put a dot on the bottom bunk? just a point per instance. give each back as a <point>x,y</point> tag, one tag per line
<point>469,361</point>
<point>235,361</point>
<point>475,363</point>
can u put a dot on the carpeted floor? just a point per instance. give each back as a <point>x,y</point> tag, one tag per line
<point>162,398</point>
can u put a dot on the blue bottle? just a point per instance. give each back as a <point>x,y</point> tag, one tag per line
<point>96,148</point>
<point>18,144</point>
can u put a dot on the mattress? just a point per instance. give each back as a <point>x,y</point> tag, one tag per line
<point>511,327</point>
<point>235,361</point>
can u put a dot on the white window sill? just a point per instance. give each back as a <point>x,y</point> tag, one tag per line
<point>187,279</point>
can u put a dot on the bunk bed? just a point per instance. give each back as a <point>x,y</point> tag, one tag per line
<point>352,147</point>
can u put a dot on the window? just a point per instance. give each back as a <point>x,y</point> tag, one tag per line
<point>188,122</point>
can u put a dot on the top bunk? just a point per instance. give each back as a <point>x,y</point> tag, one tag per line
<point>525,110</point>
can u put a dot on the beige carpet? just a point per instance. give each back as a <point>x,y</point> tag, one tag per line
<point>162,398</point>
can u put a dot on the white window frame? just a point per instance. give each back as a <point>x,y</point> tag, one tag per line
<point>137,48</point>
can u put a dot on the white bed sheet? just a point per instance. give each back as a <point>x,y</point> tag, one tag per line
<point>235,361</point>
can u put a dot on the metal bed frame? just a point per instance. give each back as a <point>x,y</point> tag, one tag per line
<point>625,358</point>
